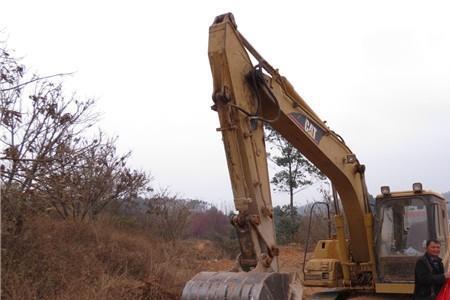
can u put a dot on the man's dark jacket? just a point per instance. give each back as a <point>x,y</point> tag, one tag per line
<point>429,278</point>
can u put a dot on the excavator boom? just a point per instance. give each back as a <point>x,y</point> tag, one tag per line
<point>245,96</point>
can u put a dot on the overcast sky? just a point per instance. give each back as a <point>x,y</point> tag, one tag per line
<point>377,71</point>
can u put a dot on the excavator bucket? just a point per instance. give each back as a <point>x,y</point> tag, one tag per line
<point>238,286</point>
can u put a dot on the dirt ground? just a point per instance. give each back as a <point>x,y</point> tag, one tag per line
<point>290,259</point>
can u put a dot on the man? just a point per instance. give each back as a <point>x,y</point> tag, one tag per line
<point>429,272</point>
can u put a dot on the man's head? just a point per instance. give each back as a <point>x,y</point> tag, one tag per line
<point>433,247</point>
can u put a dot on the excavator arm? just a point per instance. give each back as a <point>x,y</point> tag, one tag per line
<point>247,92</point>
<point>244,97</point>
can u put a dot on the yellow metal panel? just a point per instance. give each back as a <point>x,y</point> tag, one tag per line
<point>394,288</point>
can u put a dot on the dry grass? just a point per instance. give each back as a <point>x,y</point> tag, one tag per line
<point>52,259</point>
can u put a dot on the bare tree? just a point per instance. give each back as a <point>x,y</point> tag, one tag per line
<point>168,215</point>
<point>46,159</point>
<point>88,176</point>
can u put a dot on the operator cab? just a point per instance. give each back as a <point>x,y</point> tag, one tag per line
<point>404,222</point>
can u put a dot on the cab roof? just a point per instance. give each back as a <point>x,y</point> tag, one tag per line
<point>410,193</point>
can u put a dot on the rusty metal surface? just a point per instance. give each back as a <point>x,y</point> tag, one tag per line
<point>237,286</point>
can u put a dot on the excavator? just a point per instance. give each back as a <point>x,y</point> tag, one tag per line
<point>372,250</point>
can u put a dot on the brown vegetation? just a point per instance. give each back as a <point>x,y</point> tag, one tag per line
<point>54,259</point>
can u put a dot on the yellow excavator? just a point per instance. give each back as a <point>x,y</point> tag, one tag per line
<point>372,251</point>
